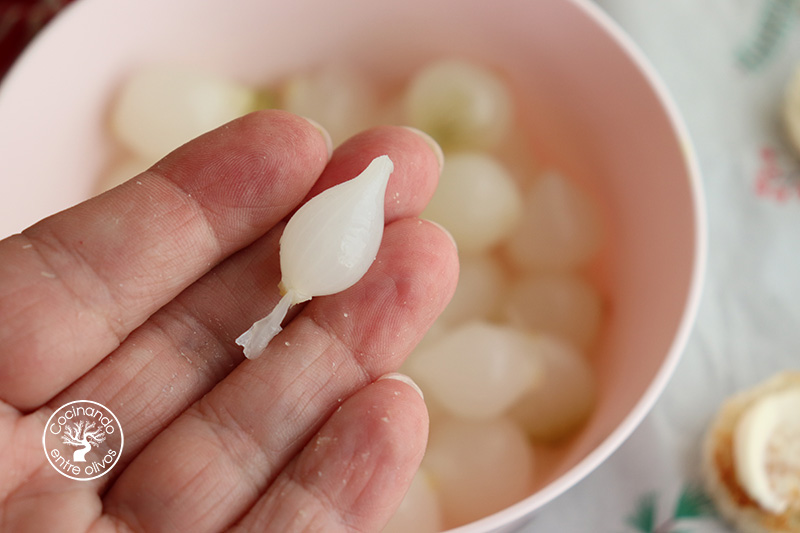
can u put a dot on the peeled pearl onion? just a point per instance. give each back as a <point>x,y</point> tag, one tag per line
<point>159,109</point>
<point>331,241</point>
<point>477,370</point>
<point>419,511</point>
<point>561,228</point>
<point>563,398</point>
<point>339,98</point>
<point>478,467</point>
<point>476,200</point>
<point>481,286</point>
<point>326,247</point>
<point>565,305</point>
<point>459,104</point>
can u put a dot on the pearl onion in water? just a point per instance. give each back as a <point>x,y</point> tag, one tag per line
<point>479,467</point>
<point>159,109</point>
<point>460,104</point>
<point>565,305</point>
<point>476,200</point>
<point>419,511</point>
<point>561,229</point>
<point>478,370</point>
<point>565,395</point>
<point>339,98</point>
<point>481,286</point>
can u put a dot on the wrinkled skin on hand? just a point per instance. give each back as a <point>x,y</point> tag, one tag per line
<point>133,299</point>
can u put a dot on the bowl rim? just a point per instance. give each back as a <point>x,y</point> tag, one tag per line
<point>525,509</point>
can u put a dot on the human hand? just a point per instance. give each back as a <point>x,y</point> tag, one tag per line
<point>133,300</point>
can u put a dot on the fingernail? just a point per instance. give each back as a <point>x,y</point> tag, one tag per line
<point>430,141</point>
<point>445,231</point>
<point>397,376</point>
<point>325,135</point>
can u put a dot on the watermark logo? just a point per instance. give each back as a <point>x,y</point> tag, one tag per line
<point>83,440</point>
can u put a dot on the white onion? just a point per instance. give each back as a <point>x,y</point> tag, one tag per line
<point>340,98</point>
<point>478,467</point>
<point>565,395</point>
<point>477,201</point>
<point>481,287</point>
<point>327,246</point>
<point>561,229</point>
<point>460,104</point>
<point>159,109</point>
<point>419,511</point>
<point>565,305</point>
<point>477,370</point>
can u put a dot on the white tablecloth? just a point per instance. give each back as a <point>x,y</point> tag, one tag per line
<point>726,63</point>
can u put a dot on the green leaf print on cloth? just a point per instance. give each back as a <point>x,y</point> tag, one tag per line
<point>692,504</point>
<point>776,18</point>
<point>644,517</point>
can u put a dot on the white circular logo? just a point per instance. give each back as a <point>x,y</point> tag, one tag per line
<point>83,440</point>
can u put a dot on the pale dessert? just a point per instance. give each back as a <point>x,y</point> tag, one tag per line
<point>751,457</point>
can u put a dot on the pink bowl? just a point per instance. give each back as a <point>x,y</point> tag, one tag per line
<point>594,106</point>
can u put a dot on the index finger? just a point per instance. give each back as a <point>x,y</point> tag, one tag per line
<point>74,285</point>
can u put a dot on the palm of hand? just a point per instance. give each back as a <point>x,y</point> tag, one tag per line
<point>133,300</point>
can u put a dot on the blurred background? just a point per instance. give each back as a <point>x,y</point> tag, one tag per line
<point>726,64</point>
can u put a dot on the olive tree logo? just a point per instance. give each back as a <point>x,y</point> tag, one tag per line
<point>85,435</point>
<point>83,440</point>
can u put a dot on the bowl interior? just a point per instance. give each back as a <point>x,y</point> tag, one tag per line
<point>590,104</point>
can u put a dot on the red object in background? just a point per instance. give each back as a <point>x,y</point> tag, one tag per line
<point>20,20</point>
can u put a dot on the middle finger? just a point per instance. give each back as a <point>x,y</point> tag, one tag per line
<point>187,347</point>
<point>223,453</point>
